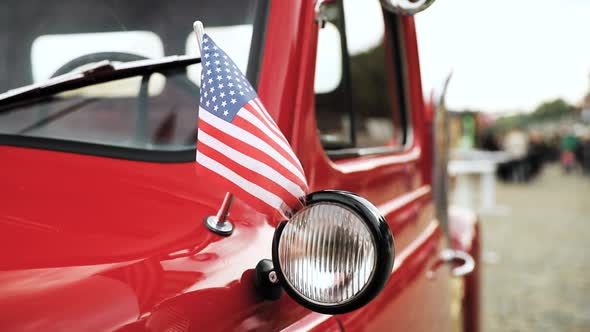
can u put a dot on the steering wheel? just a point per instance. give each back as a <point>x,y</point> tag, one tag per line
<point>96,57</point>
<point>143,96</point>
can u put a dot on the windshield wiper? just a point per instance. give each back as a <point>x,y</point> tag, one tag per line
<point>100,72</point>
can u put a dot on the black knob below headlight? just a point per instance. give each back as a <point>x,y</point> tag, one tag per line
<point>335,254</point>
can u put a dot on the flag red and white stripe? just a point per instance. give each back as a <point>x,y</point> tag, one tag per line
<point>253,155</point>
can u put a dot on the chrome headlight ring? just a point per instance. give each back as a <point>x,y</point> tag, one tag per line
<point>335,254</point>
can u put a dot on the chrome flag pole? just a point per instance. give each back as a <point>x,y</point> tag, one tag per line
<point>199,31</point>
<point>218,223</point>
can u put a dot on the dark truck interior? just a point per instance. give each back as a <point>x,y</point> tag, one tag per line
<point>126,118</point>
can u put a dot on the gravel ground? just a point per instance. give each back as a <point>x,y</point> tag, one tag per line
<point>537,256</point>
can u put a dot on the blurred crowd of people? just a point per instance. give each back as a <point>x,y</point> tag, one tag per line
<point>528,150</point>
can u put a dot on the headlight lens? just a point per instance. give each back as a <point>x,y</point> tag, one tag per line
<point>335,254</point>
<point>327,254</point>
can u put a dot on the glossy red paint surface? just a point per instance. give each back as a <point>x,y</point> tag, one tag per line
<point>396,183</point>
<point>110,242</point>
<point>92,243</point>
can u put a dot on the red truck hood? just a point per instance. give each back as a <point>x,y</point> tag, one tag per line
<point>67,209</point>
<point>91,243</point>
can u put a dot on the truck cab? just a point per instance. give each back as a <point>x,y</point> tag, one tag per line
<point>102,210</point>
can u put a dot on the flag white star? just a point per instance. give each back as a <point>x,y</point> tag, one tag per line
<point>233,101</point>
<point>225,112</point>
<point>224,104</point>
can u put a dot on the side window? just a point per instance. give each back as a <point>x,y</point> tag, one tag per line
<point>358,80</point>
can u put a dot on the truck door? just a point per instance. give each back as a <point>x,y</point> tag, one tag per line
<point>368,112</point>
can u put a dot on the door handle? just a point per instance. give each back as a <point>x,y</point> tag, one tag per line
<point>454,257</point>
<point>458,256</point>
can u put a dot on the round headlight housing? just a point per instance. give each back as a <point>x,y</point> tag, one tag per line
<point>335,254</point>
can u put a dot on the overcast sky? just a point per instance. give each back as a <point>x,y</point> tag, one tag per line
<point>506,55</point>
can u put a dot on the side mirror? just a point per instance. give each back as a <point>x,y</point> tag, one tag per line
<point>406,7</point>
<point>335,254</point>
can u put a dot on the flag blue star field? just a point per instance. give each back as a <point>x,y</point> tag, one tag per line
<point>240,143</point>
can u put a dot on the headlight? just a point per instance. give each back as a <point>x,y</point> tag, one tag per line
<point>335,254</point>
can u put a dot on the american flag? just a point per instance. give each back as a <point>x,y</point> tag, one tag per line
<point>239,141</point>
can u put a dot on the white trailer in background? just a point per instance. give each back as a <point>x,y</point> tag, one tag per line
<point>468,167</point>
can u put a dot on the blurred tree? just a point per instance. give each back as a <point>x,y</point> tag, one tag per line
<point>548,111</point>
<point>552,110</point>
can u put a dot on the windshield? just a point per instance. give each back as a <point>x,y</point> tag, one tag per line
<point>44,39</point>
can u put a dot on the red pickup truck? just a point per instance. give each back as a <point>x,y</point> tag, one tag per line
<point>102,209</point>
